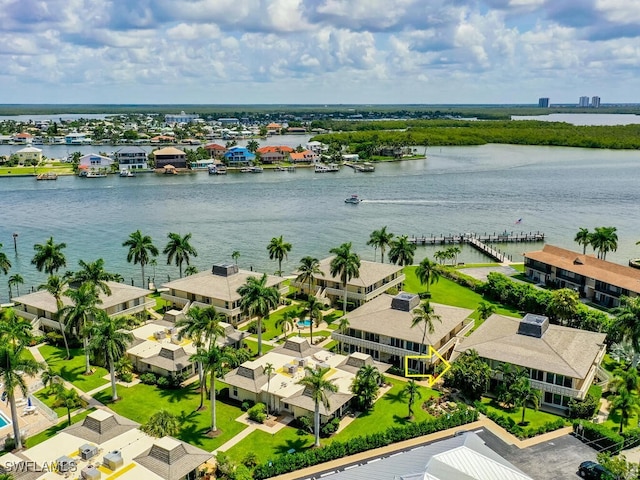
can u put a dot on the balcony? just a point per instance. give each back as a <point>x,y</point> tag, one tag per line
<point>173,298</point>
<point>136,309</point>
<point>559,389</point>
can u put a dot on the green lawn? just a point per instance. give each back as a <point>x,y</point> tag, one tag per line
<point>267,446</point>
<point>270,323</point>
<point>73,369</point>
<point>533,418</point>
<point>140,401</point>
<point>613,422</point>
<point>52,431</point>
<point>49,399</point>
<point>27,355</point>
<point>252,344</point>
<point>161,303</point>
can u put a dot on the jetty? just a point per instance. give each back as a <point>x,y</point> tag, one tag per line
<point>361,167</point>
<point>481,241</point>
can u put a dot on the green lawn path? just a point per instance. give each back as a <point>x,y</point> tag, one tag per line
<point>534,418</point>
<point>72,370</point>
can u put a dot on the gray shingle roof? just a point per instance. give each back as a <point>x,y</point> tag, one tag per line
<point>370,272</point>
<point>172,459</point>
<point>100,426</point>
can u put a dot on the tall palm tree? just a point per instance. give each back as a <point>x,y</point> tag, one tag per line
<point>627,321</point>
<point>485,310</point>
<point>179,249</point>
<point>257,300</point>
<point>49,257</point>
<point>583,237</point>
<point>81,313</point>
<point>308,268</point>
<point>269,369</point>
<point>212,358</point>
<point>278,249</point>
<point>287,322</point>
<point>563,305</point>
<point>5,264</point>
<point>603,240</point>
<point>411,390</point>
<point>318,388</point>
<point>425,315</point>
<point>68,398</point>
<point>14,330</point>
<point>110,337</point>
<point>427,272</point>
<point>14,365</point>
<point>380,239</point>
<point>626,404</point>
<point>346,265</point>
<point>366,385</point>
<point>56,286</point>
<point>402,251</point>
<point>15,280</point>
<point>628,379</point>
<point>524,393</point>
<point>141,250</point>
<point>313,308</point>
<point>94,274</point>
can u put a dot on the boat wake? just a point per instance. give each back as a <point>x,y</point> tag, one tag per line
<point>410,202</point>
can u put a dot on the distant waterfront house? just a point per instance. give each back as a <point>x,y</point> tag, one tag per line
<point>597,280</point>
<point>93,161</point>
<point>131,158</point>
<point>273,128</point>
<point>228,121</point>
<point>170,156</point>
<point>382,328</point>
<point>22,138</point>
<point>317,147</point>
<point>374,279</point>
<point>249,381</point>
<point>40,307</point>
<point>182,117</point>
<point>217,288</point>
<point>108,446</point>
<point>29,154</point>
<point>77,138</point>
<point>306,156</point>
<point>562,362</point>
<point>215,150</point>
<point>162,139</point>
<point>238,156</point>
<point>274,154</point>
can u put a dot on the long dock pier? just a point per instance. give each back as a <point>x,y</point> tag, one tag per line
<point>480,241</point>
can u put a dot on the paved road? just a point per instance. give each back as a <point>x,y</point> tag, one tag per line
<point>557,459</point>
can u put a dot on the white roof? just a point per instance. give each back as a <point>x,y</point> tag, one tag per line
<point>30,150</point>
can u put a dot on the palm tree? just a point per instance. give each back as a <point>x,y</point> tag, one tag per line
<point>366,385</point>
<point>161,424</point>
<point>14,330</point>
<point>268,371</point>
<point>455,251</point>
<point>627,321</point>
<point>343,325</point>
<point>346,265</point>
<point>583,237</point>
<point>15,280</point>
<point>56,286</point>
<point>603,240</point>
<point>235,256</point>
<point>68,398</point>
<point>253,146</point>
<point>380,239</point>
<point>308,268</point>
<point>94,274</point>
<point>317,387</point>
<point>524,393</point>
<point>425,315</point>
<point>278,249</point>
<point>110,337</point>
<point>411,390</point>
<point>141,250</point>
<point>314,311</point>
<point>179,249</point>
<point>49,257</point>
<point>191,270</point>
<point>628,379</point>
<point>81,313</point>
<point>5,264</point>
<point>212,359</point>
<point>14,365</point>
<point>427,272</point>
<point>563,305</point>
<point>257,300</point>
<point>287,322</point>
<point>49,378</point>
<point>626,404</point>
<point>402,251</point>
<point>485,310</point>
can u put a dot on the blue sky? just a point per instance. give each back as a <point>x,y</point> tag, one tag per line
<point>318,51</point>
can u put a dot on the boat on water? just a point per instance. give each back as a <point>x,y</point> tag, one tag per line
<point>353,199</point>
<point>326,168</point>
<point>246,170</point>
<point>365,167</point>
<point>217,169</point>
<point>47,176</point>
<point>257,169</point>
<point>95,175</point>
<point>127,173</point>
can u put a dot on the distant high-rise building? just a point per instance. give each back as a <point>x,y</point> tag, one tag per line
<point>543,102</point>
<point>595,102</point>
<point>583,102</point>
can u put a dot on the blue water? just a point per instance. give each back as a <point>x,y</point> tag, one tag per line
<point>304,323</point>
<point>4,421</point>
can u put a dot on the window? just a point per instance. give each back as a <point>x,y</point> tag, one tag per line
<point>537,375</point>
<point>235,391</point>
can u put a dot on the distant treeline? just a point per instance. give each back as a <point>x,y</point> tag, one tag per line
<point>459,132</point>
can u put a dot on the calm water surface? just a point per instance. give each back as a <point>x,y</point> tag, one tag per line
<point>455,190</point>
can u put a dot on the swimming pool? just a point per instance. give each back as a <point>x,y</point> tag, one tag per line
<point>4,421</point>
<point>304,323</point>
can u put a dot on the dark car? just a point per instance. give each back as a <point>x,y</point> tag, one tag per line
<point>594,471</point>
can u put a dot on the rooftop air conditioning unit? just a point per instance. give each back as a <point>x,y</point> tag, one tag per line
<point>113,460</point>
<point>87,451</point>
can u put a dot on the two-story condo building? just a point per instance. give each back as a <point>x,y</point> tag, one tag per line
<point>131,158</point>
<point>382,328</point>
<point>217,288</point>
<point>561,362</point>
<point>374,279</point>
<point>597,280</point>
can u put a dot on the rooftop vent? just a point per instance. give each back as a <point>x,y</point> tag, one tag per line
<point>533,325</point>
<point>405,302</point>
<point>88,451</point>
<point>224,269</point>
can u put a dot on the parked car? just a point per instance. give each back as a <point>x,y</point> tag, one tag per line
<point>594,471</point>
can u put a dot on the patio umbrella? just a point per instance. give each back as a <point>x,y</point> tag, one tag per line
<point>29,402</point>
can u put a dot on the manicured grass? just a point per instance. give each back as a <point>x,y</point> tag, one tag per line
<point>50,432</point>
<point>73,369</point>
<point>55,167</point>
<point>613,422</point>
<point>267,446</point>
<point>518,266</point>
<point>270,323</point>
<point>476,265</point>
<point>317,333</point>
<point>333,317</point>
<point>390,410</point>
<point>595,391</point>
<point>252,344</point>
<point>49,399</point>
<point>27,355</point>
<point>140,401</point>
<point>161,303</point>
<point>533,418</point>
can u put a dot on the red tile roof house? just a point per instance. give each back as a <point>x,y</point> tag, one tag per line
<point>274,154</point>
<point>215,150</point>
<point>306,156</point>
<point>23,138</point>
<point>274,128</point>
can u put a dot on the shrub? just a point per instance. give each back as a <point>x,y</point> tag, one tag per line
<point>253,327</point>
<point>631,437</point>
<point>258,413</point>
<point>583,408</point>
<point>304,423</point>
<point>148,378</point>
<point>513,428</point>
<point>126,377</point>
<point>247,404</point>
<point>162,382</point>
<point>330,427</point>
<point>55,339</point>
<point>392,291</point>
<point>599,437</point>
<point>250,460</point>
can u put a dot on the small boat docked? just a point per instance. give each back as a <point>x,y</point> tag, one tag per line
<point>217,169</point>
<point>47,176</point>
<point>326,168</point>
<point>365,167</point>
<point>127,173</point>
<point>353,199</point>
<point>257,169</point>
<point>95,175</point>
<point>246,170</point>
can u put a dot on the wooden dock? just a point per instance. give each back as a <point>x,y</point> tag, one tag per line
<point>481,241</point>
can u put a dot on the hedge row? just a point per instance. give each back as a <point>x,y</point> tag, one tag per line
<point>599,437</point>
<point>513,428</point>
<point>291,462</point>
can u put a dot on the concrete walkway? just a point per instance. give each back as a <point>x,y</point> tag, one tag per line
<point>269,427</point>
